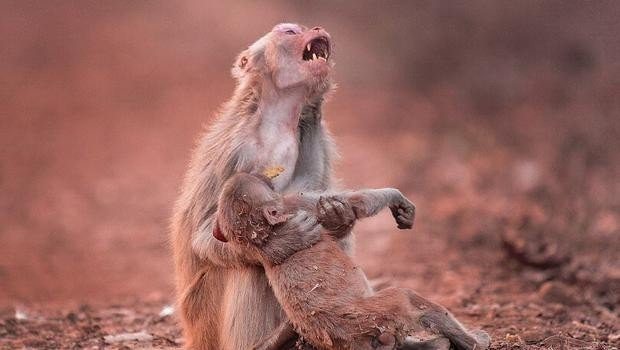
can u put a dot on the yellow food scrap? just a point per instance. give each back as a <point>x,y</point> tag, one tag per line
<point>273,171</point>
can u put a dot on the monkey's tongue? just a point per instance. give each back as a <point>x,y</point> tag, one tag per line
<point>217,232</point>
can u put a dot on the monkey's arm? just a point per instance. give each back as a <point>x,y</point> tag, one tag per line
<point>336,215</point>
<point>366,203</point>
<point>313,171</point>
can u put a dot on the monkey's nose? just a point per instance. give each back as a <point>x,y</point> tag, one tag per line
<point>317,28</point>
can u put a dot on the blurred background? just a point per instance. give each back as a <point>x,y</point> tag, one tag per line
<point>500,120</point>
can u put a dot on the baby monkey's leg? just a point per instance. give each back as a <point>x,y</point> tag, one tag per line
<point>409,310</point>
<point>438,319</point>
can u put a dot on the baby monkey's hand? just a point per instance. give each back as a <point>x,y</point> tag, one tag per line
<point>335,214</point>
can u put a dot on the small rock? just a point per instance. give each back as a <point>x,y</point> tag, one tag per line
<point>513,338</point>
<point>20,315</point>
<point>533,336</point>
<point>166,311</point>
<point>137,336</point>
<point>613,338</point>
<point>557,292</point>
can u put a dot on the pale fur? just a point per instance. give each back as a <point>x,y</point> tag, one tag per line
<point>224,299</point>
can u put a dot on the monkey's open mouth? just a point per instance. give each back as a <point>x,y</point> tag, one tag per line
<point>317,49</point>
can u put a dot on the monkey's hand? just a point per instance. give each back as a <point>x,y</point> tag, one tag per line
<point>297,233</point>
<point>403,211</point>
<point>336,215</point>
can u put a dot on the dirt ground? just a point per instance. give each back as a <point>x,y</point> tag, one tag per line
<point>500,121</point>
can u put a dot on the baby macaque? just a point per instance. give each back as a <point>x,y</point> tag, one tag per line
<point>323,293</point>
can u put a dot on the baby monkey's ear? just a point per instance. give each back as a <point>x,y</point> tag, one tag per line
<point>274,215</point>
<point>217,232</point>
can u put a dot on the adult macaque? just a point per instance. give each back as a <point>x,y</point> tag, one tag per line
<point>324,295</point>
<point>273,120</point>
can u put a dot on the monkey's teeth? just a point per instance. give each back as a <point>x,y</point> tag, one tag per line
<point>323,58</point>
<point>314,56</point>
<point>308,47</point>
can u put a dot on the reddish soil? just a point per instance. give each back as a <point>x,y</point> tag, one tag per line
<point>500,122</point>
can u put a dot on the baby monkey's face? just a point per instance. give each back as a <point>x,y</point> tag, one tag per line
<point>248,208</point>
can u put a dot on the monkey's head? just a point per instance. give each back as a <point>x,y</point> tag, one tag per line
<point>291,56</point>
<point>248,208</point>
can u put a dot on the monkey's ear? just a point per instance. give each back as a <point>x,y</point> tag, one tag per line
<point>242,64</point>
<point>243,61</point>
<point>274,215</point>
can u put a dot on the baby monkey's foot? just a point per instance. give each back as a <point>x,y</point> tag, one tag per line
<point>482,338</point>
<point>439,343</point>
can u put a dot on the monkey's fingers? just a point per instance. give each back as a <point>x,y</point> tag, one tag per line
<point>334,213</point>
<point>328,206</point>
<point>326,212</point>
<point>406,209</point>
<point>403,219</point>
<point>407,214</point>
<point>339,208</point>
<point>321,207</point>
<point>404,223</point>
<point>406,206</point>
<point>345,210</point>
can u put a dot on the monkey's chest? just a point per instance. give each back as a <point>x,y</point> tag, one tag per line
<point>278,152</point>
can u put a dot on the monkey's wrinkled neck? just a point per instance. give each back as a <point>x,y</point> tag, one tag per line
<point>280,109</point>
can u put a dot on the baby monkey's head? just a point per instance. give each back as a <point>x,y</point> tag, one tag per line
<point>291,55</point>
<point>248,208</point>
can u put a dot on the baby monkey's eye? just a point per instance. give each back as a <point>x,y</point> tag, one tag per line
<point>290,32</point>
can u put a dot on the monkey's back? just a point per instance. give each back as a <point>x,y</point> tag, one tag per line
<point>316,287</point>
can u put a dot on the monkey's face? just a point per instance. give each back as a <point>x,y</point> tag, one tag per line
<point>292,55</point>
<point>248,207</point>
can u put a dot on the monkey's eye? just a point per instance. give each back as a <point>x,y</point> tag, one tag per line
<point>287,28</point>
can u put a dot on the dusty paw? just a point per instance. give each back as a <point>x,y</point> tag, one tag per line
<point>482,338</point>
<point>439,343</point>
